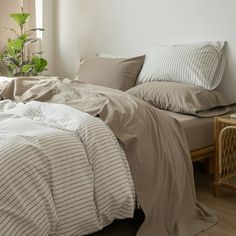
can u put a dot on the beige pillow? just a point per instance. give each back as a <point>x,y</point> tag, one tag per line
<point>182,98</point>
<point>118,73</point>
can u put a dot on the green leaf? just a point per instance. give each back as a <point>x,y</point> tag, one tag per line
<point>43,65</point>
<point>12,56</point>
<point>40,64</point>
<point>14,45</point>
<point>36,61</point>
<point>27,69</point>
<point>24,37</point>
<point>20,18</point>
<point>15,61</point>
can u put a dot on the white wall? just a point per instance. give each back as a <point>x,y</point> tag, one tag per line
<point>129,27</point>
<point>68,32</point>
<point>48,37</point>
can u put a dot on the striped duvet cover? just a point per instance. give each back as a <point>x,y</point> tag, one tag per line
<point>62,172</point>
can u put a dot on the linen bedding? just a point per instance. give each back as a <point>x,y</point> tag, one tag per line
<point>199,132</point>
<point>154,144</point>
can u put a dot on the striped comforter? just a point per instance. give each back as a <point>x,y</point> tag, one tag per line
<point>62,171</point>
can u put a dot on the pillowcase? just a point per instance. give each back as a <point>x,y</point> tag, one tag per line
<point>200,64</point>
<point>113,73</point>
<point>182,98</point>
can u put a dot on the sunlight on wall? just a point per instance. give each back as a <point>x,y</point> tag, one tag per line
<point>39,17</point>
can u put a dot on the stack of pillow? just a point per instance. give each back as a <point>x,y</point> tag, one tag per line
<point>179,78</point>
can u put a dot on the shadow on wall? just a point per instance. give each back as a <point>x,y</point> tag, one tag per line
<point>68,32</point>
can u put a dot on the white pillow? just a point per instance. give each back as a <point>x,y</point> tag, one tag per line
<point>200,64</point>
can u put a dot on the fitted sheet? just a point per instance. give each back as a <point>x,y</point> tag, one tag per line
<point>199,131</point>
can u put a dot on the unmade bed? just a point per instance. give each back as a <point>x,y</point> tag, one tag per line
<point>44,112</point>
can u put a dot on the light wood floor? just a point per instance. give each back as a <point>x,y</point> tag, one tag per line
<point>224,204</point>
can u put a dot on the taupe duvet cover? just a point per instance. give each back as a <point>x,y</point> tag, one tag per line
<point>154,144</point>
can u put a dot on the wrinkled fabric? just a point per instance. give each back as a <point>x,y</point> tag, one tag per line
<point>154,144</point>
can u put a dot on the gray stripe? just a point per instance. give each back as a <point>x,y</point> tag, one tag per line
<point>60,173</point>
<point>200,64</point>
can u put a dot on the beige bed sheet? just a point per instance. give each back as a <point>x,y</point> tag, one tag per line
<point>199,131</point>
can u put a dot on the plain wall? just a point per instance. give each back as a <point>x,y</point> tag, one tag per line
<point>69,26</point>
<point>48,37</point>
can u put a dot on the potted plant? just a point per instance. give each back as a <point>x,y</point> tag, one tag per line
<point>13,58</point>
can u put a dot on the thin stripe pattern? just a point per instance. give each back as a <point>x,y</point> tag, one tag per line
<point>62,172</point>
<point>200,64</point>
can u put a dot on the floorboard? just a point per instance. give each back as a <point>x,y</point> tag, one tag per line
<point>224,204</point>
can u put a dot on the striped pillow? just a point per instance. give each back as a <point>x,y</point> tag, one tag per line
<point>200,64</point>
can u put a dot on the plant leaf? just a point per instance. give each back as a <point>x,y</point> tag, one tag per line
<point>15,61</point>
<point>24,37</point>
<point>27,69</point>
<point>11,55</point>
<point>40,64</point>
<point>16,44</point>
<point>20,18</point>
<point>43,65</point>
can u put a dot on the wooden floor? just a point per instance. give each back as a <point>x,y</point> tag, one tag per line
<point>224,204</point>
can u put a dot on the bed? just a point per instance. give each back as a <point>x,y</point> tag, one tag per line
<point>200,136</point>
<point>75,153</point>
<point>40,117</point>
<point>175,78</point>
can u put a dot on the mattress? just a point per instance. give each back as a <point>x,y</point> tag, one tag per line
<point>199,131</point>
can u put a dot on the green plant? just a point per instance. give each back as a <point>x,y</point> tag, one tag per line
<point>13,57</point>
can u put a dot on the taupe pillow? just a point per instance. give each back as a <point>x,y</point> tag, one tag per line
<point>182,98</point>
<point>118,73</point>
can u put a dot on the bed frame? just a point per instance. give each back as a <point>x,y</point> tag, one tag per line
<point>206,153</point>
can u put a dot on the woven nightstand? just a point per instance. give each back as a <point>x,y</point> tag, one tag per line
<point>225,143</point>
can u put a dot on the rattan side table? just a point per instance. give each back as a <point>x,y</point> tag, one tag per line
<point>225,144</point>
